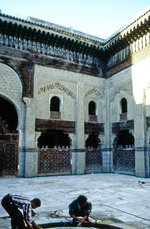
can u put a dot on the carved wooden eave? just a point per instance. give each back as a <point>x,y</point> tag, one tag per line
<point>99,48</point>
<point>133,31</point>
<point>42,125</point>
<point>26,30</point>
<point>97,128</point>
<point>125,125</point>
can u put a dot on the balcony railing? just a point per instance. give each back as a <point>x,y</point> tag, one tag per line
<point>92,118</point>
<point>55,115</point>
<point>123,117</point>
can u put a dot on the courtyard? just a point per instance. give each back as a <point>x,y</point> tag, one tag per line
<point>118,200</point>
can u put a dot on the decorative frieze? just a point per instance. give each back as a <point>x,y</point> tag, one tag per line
<point>95,91</point>
<point>58,85</point>
<point>118,91</point>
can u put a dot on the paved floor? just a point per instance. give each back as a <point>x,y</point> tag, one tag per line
<point>119,200</point>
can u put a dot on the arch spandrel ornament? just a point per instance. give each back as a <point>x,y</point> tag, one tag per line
<point>118,91</point>
<point>95,91</point>
<point>10,83</point>
<point>58,85</point>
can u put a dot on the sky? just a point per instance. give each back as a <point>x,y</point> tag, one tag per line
<point>100,18</point>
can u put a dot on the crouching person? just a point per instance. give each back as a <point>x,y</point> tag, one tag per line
<point>12,203</point>
<point>80,209</point>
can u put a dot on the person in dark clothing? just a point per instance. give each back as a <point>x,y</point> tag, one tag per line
<point>12,203</point>
<point>80,209</point>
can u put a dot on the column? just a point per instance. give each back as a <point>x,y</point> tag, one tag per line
<point>78,155</point>
<point>140,153</point>
<point>107,154</point>
<point>31,157</point>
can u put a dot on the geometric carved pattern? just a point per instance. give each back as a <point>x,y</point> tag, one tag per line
<point>116,93</point>
<point>8,158</point>
<point>8,151</point>
<point>124,161</point>
<point>93,160</point>
<point>95,91</point>
<point>54,161</point>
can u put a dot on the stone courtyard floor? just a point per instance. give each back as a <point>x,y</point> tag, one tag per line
<point>119,200</point>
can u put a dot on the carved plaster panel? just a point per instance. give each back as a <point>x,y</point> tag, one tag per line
<point>97,92</point>
<point>120,90</point>
<point>58,85</point>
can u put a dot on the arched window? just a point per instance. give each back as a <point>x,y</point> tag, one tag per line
<point>92,108</point>
<point>123,104</point>
<point>55,108</point>
<point>55,104</point>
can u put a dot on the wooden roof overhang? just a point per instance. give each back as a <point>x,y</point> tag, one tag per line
<point>127,36</point>
<point>28,32</point>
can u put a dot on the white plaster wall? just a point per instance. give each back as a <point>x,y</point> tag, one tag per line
<point>141,79</point>
<point>133,84</point>
<point>120,86</point>
<point>147,101</point>
<point>64,84</point>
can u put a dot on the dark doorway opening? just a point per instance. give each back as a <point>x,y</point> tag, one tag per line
<point>124,138</point>
<point>8,138</point>
<point>92,141</point>
<point>53,138</point>
<point>8,114</point>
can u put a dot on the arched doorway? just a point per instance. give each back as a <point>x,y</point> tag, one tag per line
<point>8,138</point>
<point>124,153</point>
<point>54,138</point>
<point>93,154</point>
<point>125,139</point>
<point>92,141</point>
<point>54,153</point>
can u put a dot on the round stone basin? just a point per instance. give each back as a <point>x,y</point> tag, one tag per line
<point>70,225</point>
<point>106,226</point>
